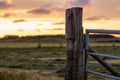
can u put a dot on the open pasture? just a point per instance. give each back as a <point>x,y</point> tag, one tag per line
<point>30,44</point>
<point>46,60</point>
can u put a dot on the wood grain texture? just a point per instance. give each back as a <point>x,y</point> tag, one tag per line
<point>74,41</point>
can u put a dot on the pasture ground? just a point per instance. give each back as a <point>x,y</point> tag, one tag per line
<point>46,60</point>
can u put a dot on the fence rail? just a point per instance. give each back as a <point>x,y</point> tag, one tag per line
<point>75,69</point>
<point>105,75</point>
<point>104,55</point>
<point>103,31</point>
<point>96,55</point>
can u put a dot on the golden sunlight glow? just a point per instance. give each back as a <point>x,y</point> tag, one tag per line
<point>28,28</point>
<point>44,17</point>
<point>9,1</point>
<point>103,24</point>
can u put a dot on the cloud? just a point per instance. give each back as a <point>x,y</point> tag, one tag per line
<point>118,8</point>
<point>40,11</point>
<point>58,8</point>
<point>7,15</point>
<point>5,5</point>
<point>9,1</point>
<point>20,20</point>
<point>47,9</point>
<point>78,3</point>
<point>93,18</point>
<point>54,7</point>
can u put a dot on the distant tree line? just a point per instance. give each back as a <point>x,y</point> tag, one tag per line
<point>101,36</point>
<point>53,38</point>
<point>32,38</point>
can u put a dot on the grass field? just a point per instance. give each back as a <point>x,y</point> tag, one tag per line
<point>45,60</point>
<point>36,63</point>
<point>30,44</point>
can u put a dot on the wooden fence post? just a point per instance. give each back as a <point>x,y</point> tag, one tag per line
<point>74,69</point>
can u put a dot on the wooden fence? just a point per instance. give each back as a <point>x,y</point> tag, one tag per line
<point>74,40</point>
<point>76,66</point>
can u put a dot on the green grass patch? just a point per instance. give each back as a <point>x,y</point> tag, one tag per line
<point>48,60</point>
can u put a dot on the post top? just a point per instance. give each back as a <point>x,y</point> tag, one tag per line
<point>75,8</point>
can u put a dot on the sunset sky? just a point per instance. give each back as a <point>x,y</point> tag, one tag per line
<point>47,17</point>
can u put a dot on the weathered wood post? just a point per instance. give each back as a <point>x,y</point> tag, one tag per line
<point>74,49</point>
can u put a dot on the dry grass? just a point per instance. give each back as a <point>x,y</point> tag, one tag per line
<point>30,44</point>
<point>14,74</point>
<point>46,62</point>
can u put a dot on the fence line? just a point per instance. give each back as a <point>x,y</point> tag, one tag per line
<point>88,51</point>
<point>75,68</point>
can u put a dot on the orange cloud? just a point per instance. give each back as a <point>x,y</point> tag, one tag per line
<point>93,18</point>
<point>40,11</point>
<point>21,20</point>
<point>5,4</point>
<point>77,3</point>
<point>6,15</point>
<point>8,1</point>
